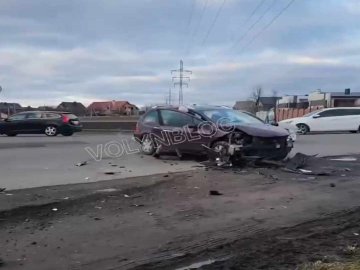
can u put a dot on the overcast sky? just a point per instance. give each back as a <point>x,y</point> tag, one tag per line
<point>85,50</point>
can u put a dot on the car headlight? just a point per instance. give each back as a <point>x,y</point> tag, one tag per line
<point>289,142</point>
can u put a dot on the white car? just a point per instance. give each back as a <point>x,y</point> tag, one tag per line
<point>331,119</point>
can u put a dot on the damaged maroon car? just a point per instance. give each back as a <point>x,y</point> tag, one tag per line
<point>220,132</point>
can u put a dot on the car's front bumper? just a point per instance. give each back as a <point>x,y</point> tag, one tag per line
<point>263,148</point>
<point>71,128</point>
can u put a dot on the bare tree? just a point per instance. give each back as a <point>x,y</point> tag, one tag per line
<point>255,97</point>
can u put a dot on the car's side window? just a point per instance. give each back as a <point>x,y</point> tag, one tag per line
<point>151,117</point>
<point>176,119</point>
<point>352,111</point>
<point>51,115</point>
<point>17,117</point>
<point>35,115</point>
<point>330,113</point>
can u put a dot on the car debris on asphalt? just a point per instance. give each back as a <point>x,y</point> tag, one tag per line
<point>2,190</point>
<point>132,196</point>
<point>137,205</point>
<point>297,162</point>
<point>300,161</point>
<point>215,193</point>
<point>83,163</point>
<point>344,159</point>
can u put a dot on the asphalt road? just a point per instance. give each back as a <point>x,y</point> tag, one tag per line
<point>33,161</point>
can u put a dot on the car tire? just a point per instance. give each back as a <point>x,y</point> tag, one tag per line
<point>51,131</point>
<point>303,129</point>
<point>148,146</point>
<point>222,148</point>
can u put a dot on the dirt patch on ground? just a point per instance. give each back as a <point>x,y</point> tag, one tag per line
<point>173,220</point>
<point>329,242</point>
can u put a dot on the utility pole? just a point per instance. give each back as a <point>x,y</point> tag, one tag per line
<point>180,80</point>
<point>169,95</point>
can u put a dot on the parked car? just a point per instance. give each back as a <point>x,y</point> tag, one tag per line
<point>210,129</point>
<point>41,122</point>
<point>331,119</point>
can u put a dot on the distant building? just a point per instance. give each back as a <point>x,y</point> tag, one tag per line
<point>245,105</point>
<point>113,108</point>
<point>334,99</point>
<point>300,102</point>
<point>265,104</point>
<point>46,108</point>
<point>9,108</point>
<point>76,108</point>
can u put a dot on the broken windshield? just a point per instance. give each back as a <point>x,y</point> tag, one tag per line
<point>231,116</point>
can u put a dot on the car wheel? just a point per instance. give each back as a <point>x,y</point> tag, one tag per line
<point>51,131</point>
<point>148,146</point>
<point>10,134</point>
<point>222,150</point>
<point>303,129</point>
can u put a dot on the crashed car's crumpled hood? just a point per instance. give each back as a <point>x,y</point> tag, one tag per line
<point>262,130</point>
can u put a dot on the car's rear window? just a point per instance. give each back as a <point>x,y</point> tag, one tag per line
<point>70,115</point>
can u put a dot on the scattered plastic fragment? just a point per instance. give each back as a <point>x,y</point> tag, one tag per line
<point>137,205</point>
<point>305,171</point>
<point>345,159</point>
<point>81,164</point>
<point>215,193</point>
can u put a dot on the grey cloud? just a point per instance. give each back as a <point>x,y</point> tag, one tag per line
<point>87,49</point>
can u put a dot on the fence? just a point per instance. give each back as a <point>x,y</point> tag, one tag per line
<point>286,113</point>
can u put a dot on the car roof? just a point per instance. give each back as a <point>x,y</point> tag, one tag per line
<point>43,112</point>
<point>342,108</point>
<point>209,107</point>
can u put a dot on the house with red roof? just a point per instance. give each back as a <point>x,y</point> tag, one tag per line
<point>112,108</point>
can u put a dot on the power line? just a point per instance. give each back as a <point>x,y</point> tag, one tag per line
<point>191,15</point>
<point>269,24</point>
<point>198,25</point>
<point>255,23</point>
<point>189,23</point>
<point>254,11</point>
<point>214,22</point>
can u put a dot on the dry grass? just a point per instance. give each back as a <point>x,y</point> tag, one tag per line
<point>352,264</point>
<point>332,266</point>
